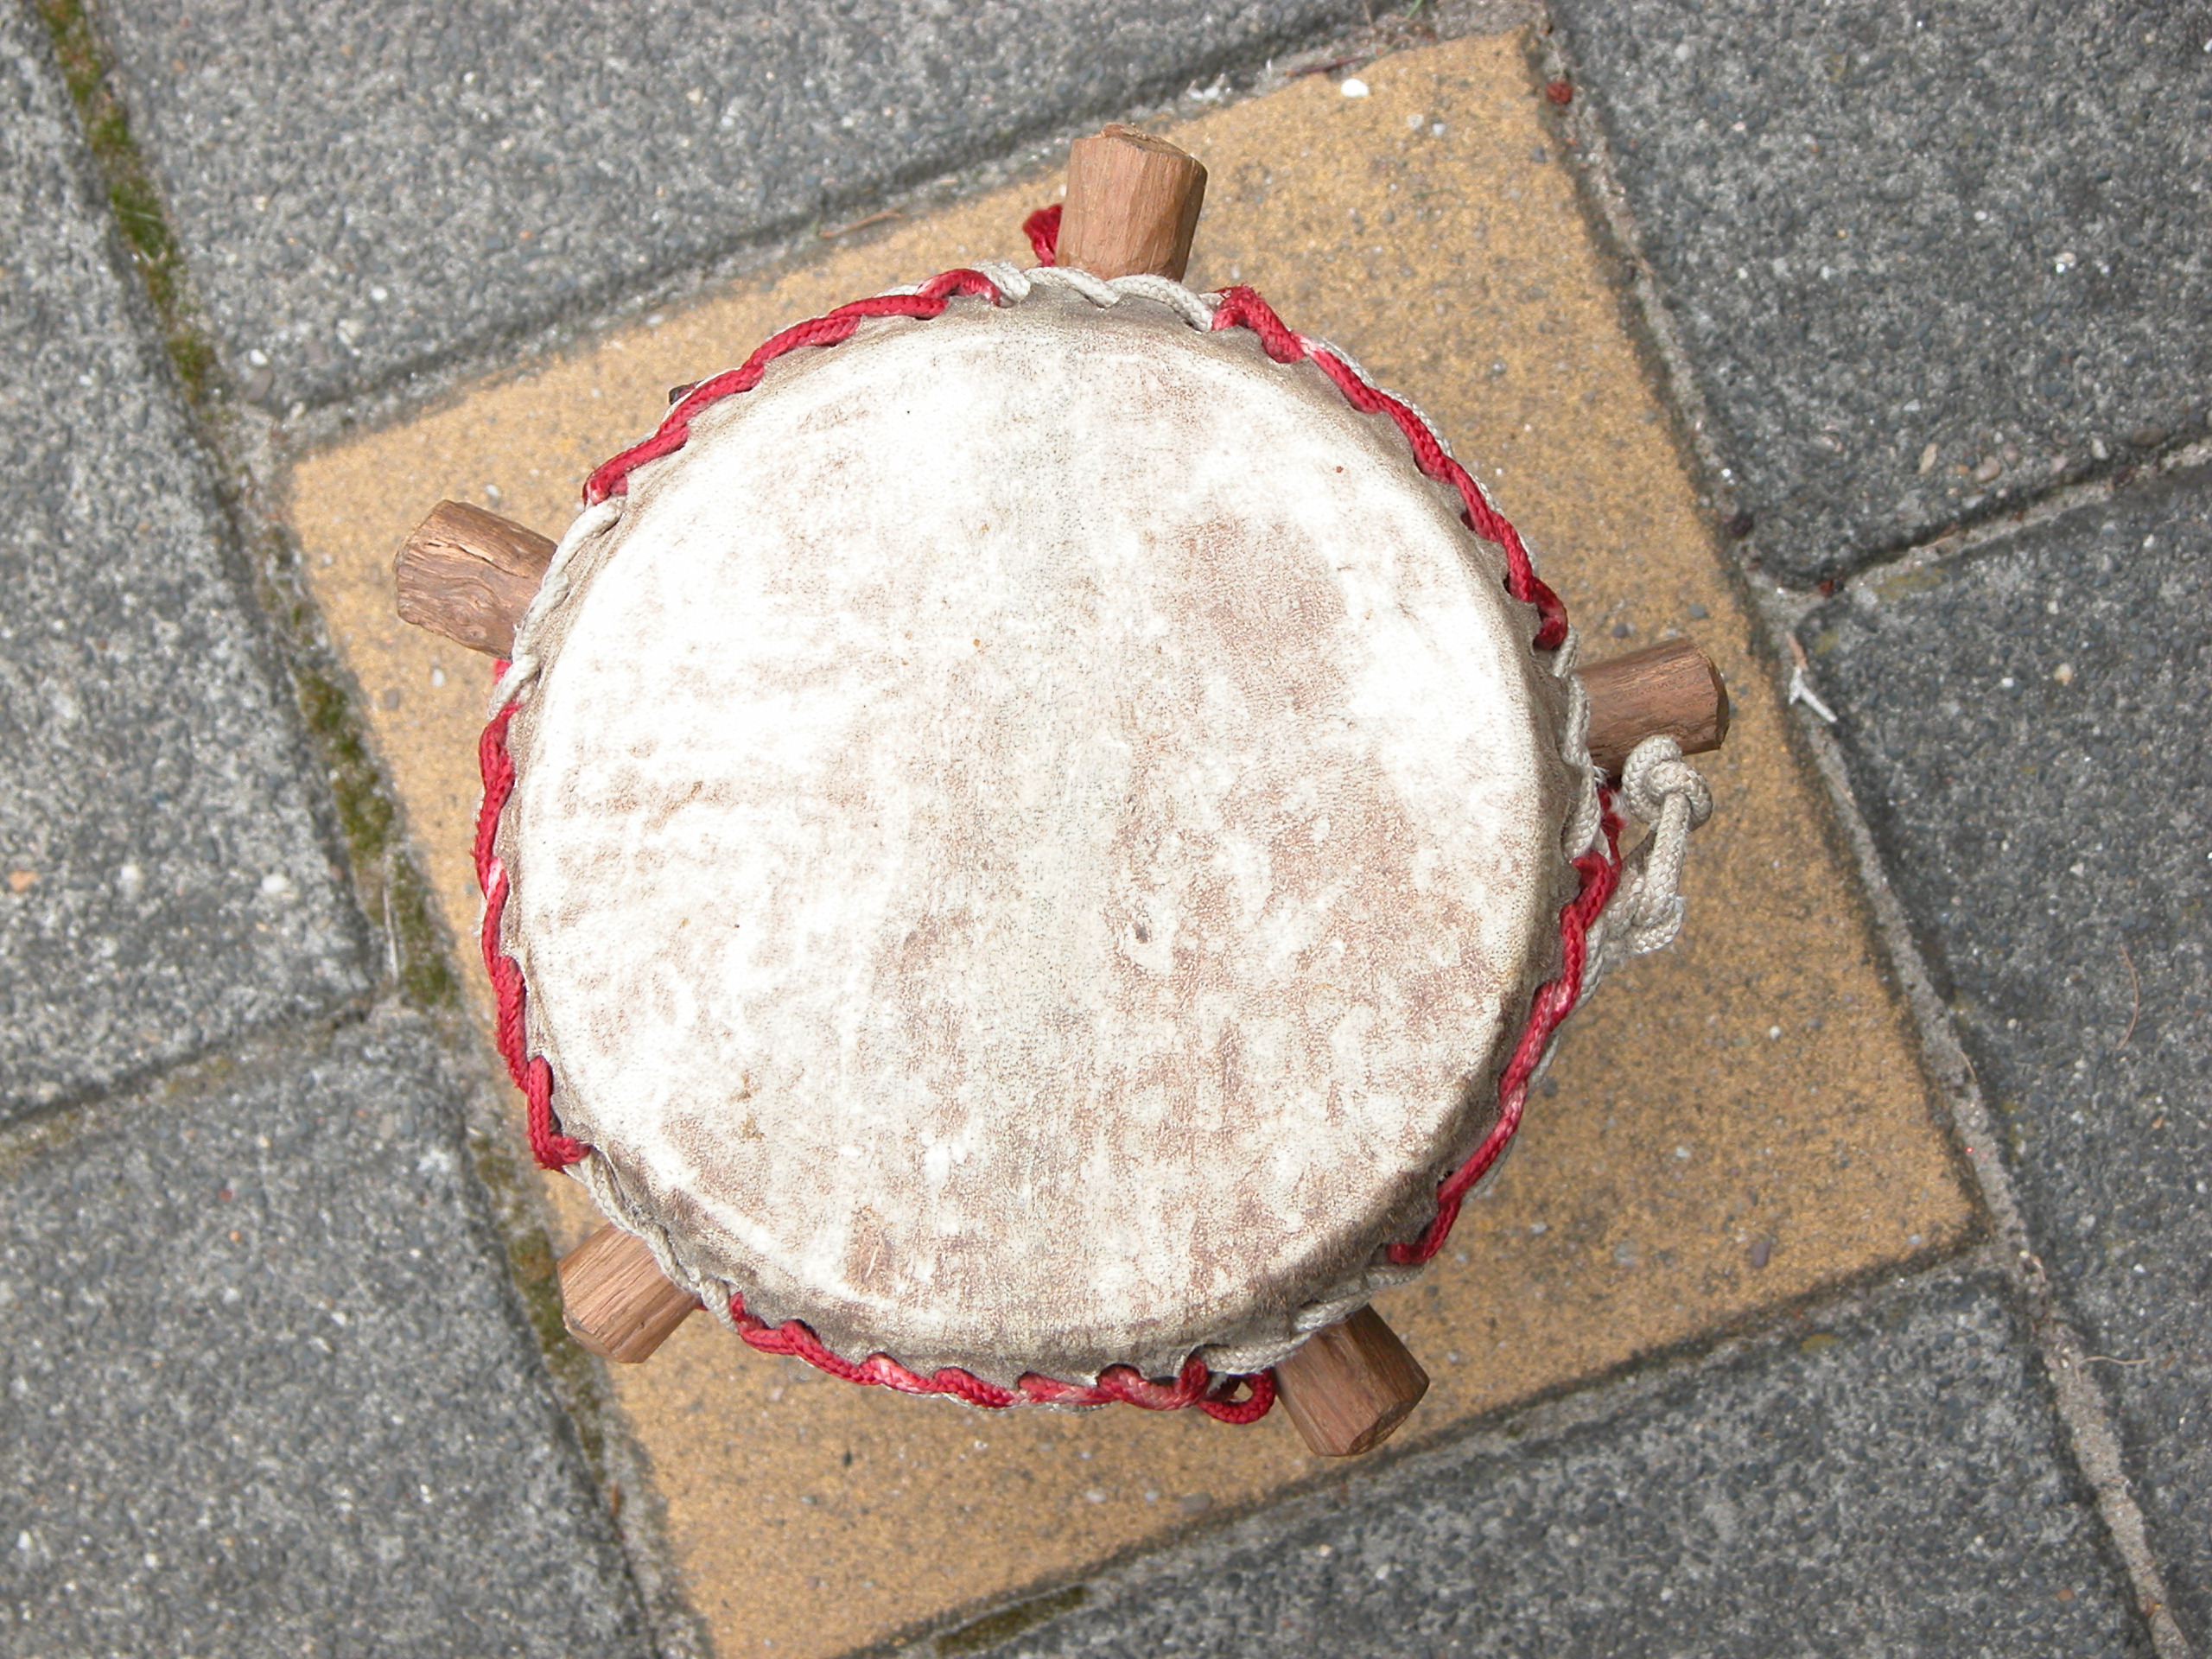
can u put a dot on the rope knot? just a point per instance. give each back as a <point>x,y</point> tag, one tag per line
<point>1655,773</point>
<point>1668,793</point>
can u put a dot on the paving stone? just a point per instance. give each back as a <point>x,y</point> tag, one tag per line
<point>268,1390</point>
<point>1887,1481</point>
<point>2025,728</point>
<point>166,885</point>
<point>363,188</point>
<point>1924,259</point>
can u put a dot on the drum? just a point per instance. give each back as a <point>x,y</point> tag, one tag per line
<point>1036,834</point>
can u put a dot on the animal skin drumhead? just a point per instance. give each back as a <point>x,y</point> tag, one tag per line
<point>1033,831</point>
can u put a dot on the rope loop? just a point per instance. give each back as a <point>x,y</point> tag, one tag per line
<point>1670,795</point>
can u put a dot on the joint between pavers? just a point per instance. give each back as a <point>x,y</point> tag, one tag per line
<point>2084,1411</point>
<point>1614,220</point>
<point>88,69</point>
<point>2110,487</point>
<point>359,815</point>
<point>1696,425</point>
<point>360,819</point>
<point>1525,1429</point>
<point>791,243</point>
<point>2092,1431</point>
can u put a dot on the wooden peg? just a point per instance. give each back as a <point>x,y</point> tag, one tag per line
<point>616,1301</point>
<point>1671,689</point>
<point>470,574</point>
<point>1349,1386</point>
<point>1132,207</point>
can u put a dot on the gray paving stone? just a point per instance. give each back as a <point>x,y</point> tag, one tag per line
<point>267,1388</point>
<point>364,188</point>
<point>1888,1483</point>
<point>1971,233</point>
<point>166,887</point>
<point>2025,728</point>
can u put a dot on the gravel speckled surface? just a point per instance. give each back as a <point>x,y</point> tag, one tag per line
<point>167,886</point>
<point>1925,260</point>
<point>1885,1481</point>
<point>363,189</point>
<point>267,1388</point>
<point>2023,724</point>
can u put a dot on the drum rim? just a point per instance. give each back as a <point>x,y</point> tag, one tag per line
<point>1589,844</point>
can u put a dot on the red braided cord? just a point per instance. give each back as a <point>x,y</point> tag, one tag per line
<point>1599,868</point>
<point>1241,308</point>
<point>830,329</point>
<point>552,1150</point>
<point>1043,230</point>
<point>1195,1386</point>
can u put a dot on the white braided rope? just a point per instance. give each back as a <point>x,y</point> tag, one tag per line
<point>1644,914</point>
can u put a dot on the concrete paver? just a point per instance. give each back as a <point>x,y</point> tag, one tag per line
<point>268,1387</point>
<point>1926,260</point>
<point>2023,722</point>
<point>167,883</point>
<point>362,190</point>
<point>1775,1134</point>
<point>1886,1480</point>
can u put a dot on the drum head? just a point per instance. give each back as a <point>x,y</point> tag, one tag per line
<point>1033,830</point>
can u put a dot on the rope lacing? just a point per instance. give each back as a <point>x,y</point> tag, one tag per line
<point>1623,907</point>
<point>1666,793</point>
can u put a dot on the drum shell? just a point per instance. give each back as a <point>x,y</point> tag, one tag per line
<point>1192,1214</point>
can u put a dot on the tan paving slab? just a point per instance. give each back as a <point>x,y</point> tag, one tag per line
<point>1730,1126</point>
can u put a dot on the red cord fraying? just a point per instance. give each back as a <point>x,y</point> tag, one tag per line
<point>1043,230</point>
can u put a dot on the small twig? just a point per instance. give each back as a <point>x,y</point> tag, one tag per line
<point>390,926</point>
<point>2135,995</point>
<point>1800,688</point>
<point>2109,1360</point>
<point>827,235</point>
<point>1330,67</point>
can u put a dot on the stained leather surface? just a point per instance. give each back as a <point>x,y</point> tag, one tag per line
<point>1032,828</point>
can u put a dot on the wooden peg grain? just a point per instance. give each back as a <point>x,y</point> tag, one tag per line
<point>1349,1386</point>
<point>1132,207</point>
<point>470,574</point>
<point>1671,689</point>
<point>616,1300</point>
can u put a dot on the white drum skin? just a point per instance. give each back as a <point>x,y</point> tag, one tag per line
<point>1034,833</point>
